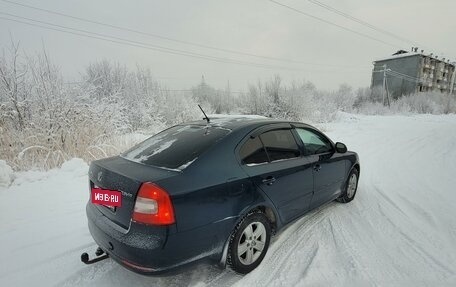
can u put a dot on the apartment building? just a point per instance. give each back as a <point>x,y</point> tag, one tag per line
<point>409,72</point>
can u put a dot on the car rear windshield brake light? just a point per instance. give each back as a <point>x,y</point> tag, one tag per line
<point>153,206</point>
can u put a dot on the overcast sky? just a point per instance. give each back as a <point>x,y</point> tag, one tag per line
<point>316,51</point>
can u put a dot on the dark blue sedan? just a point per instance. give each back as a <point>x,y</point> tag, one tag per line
<point>215,189</point>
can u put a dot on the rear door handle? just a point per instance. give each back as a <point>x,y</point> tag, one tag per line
<point>317,167</point>
<point>269,180</point>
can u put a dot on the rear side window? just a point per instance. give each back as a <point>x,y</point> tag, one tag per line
<point>280,144</point>
<point>269,146</point>
<point>314,142</point>
<point>253,152</point>
<point>177,147</point>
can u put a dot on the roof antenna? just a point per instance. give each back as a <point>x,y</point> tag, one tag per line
<point>205,116</point>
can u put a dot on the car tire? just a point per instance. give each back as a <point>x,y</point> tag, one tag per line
<point>249,242</point>
<point>351,186</point>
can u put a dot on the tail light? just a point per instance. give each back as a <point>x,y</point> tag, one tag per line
<point>153,206</point>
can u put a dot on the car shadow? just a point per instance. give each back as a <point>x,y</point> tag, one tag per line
<point>109,273</point>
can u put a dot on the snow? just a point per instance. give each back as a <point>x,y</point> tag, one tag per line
<point>6,174</point>
<point>399,231</point>
<point>163,146</point>
<point>185,165</point>
<point>75,165</point>
<point>408,54</point>
<point>220,119</point>
<point>135,153</point>
<point>227,116</point>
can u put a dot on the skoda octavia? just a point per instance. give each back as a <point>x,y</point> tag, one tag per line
<point>215,189</point>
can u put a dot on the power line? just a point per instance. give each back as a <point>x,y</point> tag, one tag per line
<point>163,89</point>
<point>190,90</point>
<point>367,24</point>
<point>164,37</point>
<point>411,79</point>
<point>359,21</point>
<point>404,76</point>
<point>331,23</point>
<point>124,41</point>
<point>407,78</point>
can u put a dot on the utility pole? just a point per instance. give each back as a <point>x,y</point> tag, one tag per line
<point>387,94</point>
<point>384,84</point>
<point>385,90</point>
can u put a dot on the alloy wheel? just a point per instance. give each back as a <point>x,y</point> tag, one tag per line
<point>352,183</point>
<point>251,243</point>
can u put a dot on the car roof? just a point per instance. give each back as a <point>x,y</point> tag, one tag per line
<point>238,121</point>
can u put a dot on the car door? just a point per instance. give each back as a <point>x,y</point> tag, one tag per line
<point>328,166</point>
<point>273,160</point>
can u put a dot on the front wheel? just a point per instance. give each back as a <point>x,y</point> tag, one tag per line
<point>249,243</point>
<point>350,187</point>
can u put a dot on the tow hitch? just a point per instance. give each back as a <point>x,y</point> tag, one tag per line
<point>101,255</point>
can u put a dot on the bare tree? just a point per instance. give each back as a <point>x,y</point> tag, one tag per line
<point>13,92</point>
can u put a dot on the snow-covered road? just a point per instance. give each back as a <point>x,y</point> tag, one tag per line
<point>399,231</point>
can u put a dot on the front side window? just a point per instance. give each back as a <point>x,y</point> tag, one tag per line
<point>314,142</point>
<point>280,144</point>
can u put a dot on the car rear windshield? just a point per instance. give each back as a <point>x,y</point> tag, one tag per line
<point>176,147</point>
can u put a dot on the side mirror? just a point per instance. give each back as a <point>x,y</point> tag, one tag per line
<point>341,148</point>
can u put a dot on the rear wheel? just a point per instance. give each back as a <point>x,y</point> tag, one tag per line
<point>350,187</point>
<point>249,243</point>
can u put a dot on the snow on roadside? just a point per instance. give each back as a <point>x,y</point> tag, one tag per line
<point>42,225</point>
<point>6,174</point>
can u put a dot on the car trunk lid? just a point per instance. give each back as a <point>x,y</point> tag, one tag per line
<point>126,177</point>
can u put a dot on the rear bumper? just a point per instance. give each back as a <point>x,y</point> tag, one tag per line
<point>152,249</point>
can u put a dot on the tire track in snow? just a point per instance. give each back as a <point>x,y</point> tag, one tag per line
<point>285,244</point>
<point>347,243</point>
<point>412,243</point>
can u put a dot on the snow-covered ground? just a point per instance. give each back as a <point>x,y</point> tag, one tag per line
<point>399,231</point>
